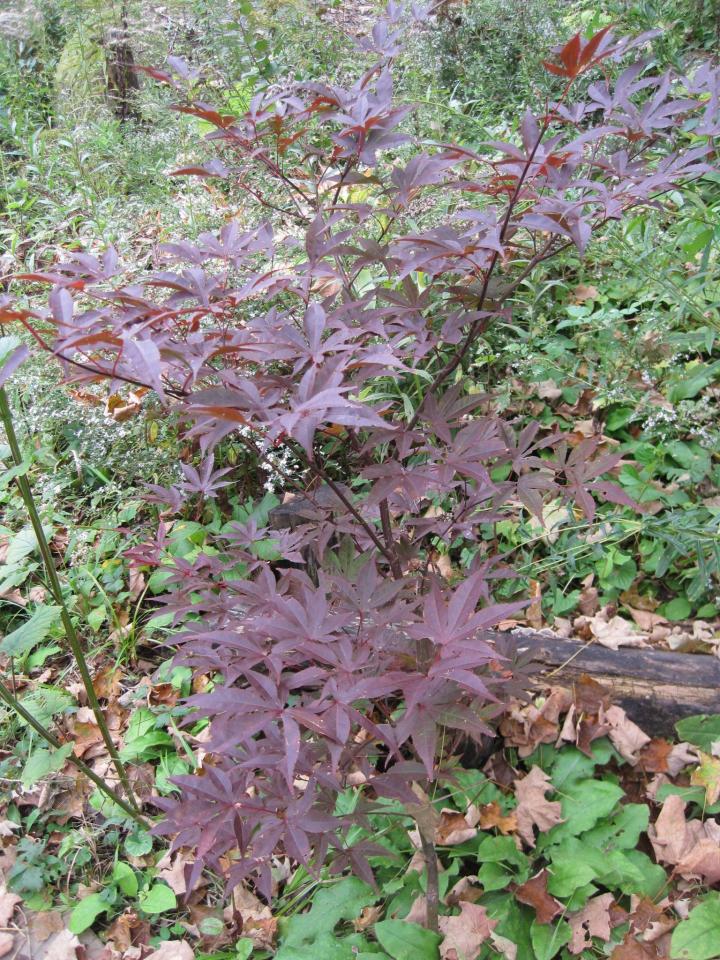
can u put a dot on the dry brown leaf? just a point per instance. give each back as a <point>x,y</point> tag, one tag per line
<point>504,946</point>
<point>533,809</point>
<point>172,871</point>
<point>107,683</point>
<point>692,846</point>
<point>8,902</point>
<point>261,932</point>
<point>367,918</point>
<point>654,756</point>
<point>85,736</point>
<point>681,755</point>
<point>127,930</point>
<point>465,889</point>
<point>701,863</point>
<point>583,292</point>
<point>491,816</point>
<point>136,583</point>
<point>453,829</point>
<point>44,924</point>
<point>589,602</point>
<point>528,726</point>
<point>631,949</point>
<point>60,946</point>
<point>589,696</point>
<point>626,736</point>
<point>592,921</point>
<point>417,913</point>
<point>646,619</point>
<point>548,390</point>
<point>615,632</point>
<point>533,613</point>
<point>173,950</point>
<point>535,894</point>
<point>465,934</point>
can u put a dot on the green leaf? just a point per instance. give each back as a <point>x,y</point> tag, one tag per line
<point>31,633</point>
<point>143,739</point>
<point>125,878</point>
<point>678,609</point>
<point>47,702</point>
<point>568,875</point>
<point>138,843</point>
<point>702,730</point>
<point>583,804</point>
<point>570,766</point>
<point>21,546</point>
<point>243,948</point>
<point>86,912</point>
<point>621,831</point>
<point>43,761</point>
<point>698,937</point>
<point>407,941</point>
<point>343,900</point>
<point>158,899</point>
<point>548,939</point>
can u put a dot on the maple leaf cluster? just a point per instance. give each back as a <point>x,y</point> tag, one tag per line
<point>330,331</point>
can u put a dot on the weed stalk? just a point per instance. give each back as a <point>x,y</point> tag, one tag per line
<point>56,590</point>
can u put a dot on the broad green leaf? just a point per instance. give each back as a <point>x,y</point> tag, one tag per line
<point>43,761</point>
<point>143,739</point>
<point>677,609</point>
<point>243,948</point>
<point>158,899</point>
<point>138,843</point>
<point>31,633</point>
<point>567,876</point>
<point>702,730</point>
<point>698,937</point>
<point>44,703</point>
<point>570,766</point>
<point>125,878</point>
<point>407,941</point>
<point>514,922</point>
<point>622,830</point>
<point>548,939</point>
<point>343,900</point>
<point>86,912</point>
<point>584,802</point>
<point>21,546</point>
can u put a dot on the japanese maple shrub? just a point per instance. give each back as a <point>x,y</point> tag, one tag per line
<point>337,333</point>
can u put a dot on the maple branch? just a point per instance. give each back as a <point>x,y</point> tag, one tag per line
<point>389,539</point>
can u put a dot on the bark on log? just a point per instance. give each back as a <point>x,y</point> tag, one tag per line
<point>655,687</point>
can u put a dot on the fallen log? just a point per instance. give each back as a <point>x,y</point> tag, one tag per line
<point>656,688</point>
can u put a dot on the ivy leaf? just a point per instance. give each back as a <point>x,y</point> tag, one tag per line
<point>407,941</point>
<point>698,937</point>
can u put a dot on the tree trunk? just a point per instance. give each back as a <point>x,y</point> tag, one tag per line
<point>655,687</point>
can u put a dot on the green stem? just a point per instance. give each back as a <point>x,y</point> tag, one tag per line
<point>56,590</point>
<point>15,705</point>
